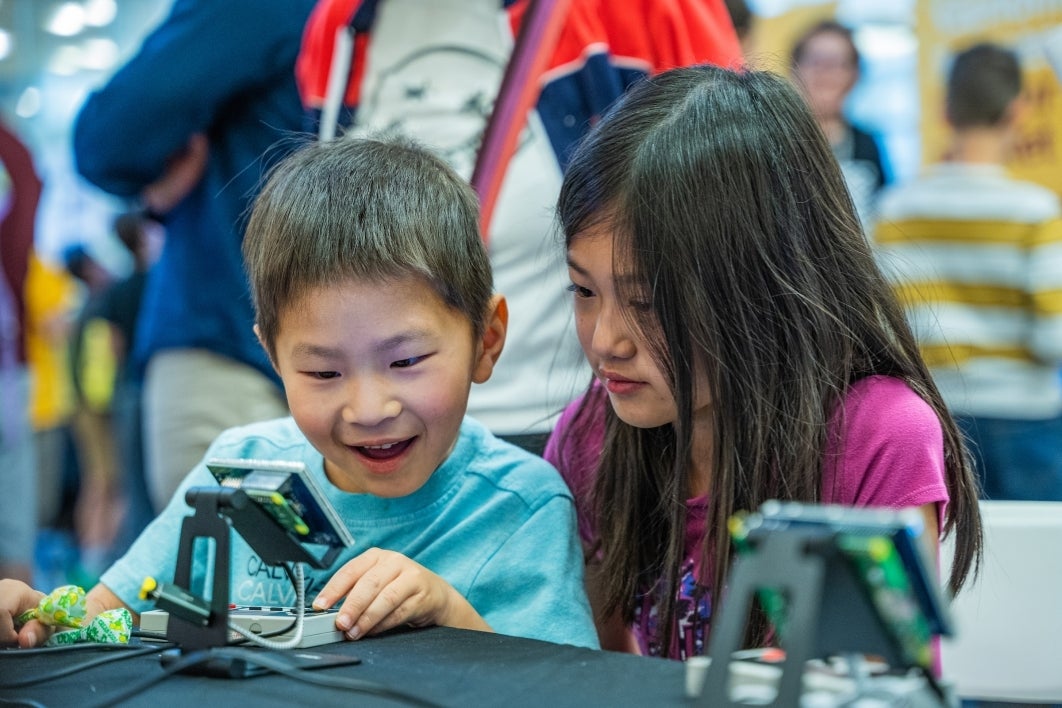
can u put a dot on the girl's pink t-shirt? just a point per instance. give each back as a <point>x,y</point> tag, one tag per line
<point>890,454</point>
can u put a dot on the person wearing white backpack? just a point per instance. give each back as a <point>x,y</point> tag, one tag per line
<point>432,70</point>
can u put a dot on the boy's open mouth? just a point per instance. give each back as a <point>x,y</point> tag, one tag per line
<point>384,452</point>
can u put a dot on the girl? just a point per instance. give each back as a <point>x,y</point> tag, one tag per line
<point>745,347</point>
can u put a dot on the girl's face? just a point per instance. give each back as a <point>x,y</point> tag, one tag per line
<point>616,350</point>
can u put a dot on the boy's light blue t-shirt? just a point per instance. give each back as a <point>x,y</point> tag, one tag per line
<point>495,521</point>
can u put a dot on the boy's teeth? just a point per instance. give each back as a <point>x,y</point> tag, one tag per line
<point>388,446</point>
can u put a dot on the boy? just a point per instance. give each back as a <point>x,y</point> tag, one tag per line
<point>976,256</point>
<point>374,302</point>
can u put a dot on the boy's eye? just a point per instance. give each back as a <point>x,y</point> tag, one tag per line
<point>406,363</point>
<point>580,291</point>
<point>324,375</point>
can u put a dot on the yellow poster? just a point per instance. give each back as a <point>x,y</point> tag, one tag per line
<point>1029,27</point>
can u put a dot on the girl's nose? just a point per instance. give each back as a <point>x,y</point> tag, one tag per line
<point>612,336</point>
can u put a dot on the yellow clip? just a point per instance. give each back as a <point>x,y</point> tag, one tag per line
<point>148,587</point>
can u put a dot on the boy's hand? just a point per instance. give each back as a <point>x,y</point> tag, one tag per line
<point>15,598</point>
<point>386,589</point>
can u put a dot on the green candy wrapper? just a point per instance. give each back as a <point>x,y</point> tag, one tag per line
<point>64,609</point>
<point>108,627</point>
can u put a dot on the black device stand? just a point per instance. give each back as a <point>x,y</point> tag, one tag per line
<point>216,510</point>
<point>828,612</point>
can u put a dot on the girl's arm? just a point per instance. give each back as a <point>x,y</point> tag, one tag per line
<point>612,631</point>
<point>931,533</point>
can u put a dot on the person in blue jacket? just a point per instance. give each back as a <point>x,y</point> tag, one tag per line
<point>188,126</point>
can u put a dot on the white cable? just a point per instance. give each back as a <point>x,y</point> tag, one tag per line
<point>300,614</point>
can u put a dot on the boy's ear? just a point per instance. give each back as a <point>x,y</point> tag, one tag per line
<point>258,334</point>
<point>1017,111</point>
<point>492,341</point>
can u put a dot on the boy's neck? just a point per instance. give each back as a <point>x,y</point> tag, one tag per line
<point>980,145</point>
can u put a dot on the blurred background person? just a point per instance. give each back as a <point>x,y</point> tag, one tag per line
<point>825,65</point>
<point>20,190</point>
<point>98,507</point>
<point>189,125</point>
<point>976,256</point>
<point>119,305</point>
<point>53,297</point>
<point>744,20</point>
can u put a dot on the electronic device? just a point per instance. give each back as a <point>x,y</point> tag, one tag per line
<point>883,546</point>
<point>279,511</point>
<point>319,627</point>
<point>834,581</point>
<point>289,493</point>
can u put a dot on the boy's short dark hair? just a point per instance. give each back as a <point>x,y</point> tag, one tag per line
<point>983,82</point>
<point>368,209</point>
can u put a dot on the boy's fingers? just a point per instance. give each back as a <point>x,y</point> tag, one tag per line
<point>375,586</point>
<point>343,580</point>
<point>15,598</point>
<point>7,629</point>
<point>390,616</point>
<point>33,634</point>
<point>392,605</point>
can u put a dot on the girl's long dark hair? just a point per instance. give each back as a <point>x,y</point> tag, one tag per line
<point>725,198</point>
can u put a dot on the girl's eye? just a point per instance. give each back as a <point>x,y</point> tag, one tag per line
<point>580,291</point>
<point>406,363</point>
<point>324,375</point>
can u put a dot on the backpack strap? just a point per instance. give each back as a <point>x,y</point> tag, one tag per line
<point>519,91</point>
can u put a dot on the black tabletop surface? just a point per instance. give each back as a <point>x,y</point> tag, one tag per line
<point>434,666</point>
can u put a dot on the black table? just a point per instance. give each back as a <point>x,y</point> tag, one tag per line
<point>446,667</point>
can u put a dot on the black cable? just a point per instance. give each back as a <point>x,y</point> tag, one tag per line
<point>188,661</point>
<point>273,664</point>
<point>934,685</point>
<point>276,632</point>
<point>83,666</point>
<point>61,648</point>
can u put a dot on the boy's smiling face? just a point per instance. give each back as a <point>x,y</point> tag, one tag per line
<point>377,375</point>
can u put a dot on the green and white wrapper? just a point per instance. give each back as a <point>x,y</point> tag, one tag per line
<point>64,608</point>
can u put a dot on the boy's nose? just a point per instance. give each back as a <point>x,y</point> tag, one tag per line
<point>369,404</point>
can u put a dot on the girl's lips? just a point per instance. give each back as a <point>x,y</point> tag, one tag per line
<point>620,386</point>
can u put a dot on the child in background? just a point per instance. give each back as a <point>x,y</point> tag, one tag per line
<point>976,257</point>
<point>374,301</point>
<point>745,347</point>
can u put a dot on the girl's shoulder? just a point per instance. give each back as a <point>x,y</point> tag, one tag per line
<point>878,400</point>
<point>888,448</point>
